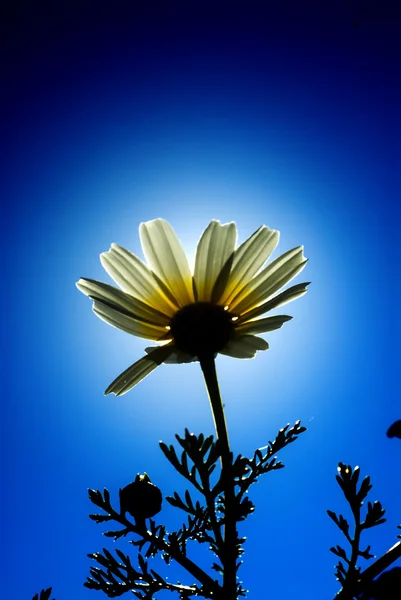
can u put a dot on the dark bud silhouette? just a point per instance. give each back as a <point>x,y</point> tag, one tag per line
<point>141,499</point>
<point>385,587</point>
<point>394,431</point>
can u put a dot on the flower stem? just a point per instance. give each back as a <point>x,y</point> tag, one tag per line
<point>228,556</point>
<point>209,372</point>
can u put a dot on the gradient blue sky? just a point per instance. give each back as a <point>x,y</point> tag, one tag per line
<point>288,117</point>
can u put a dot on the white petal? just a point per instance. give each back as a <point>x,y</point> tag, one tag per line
<point>129,324</point>
<point>121,301</point>
<point>244,346</point>
<point>138,371</point>
<point>167,259</point>
<point>176,357</point>
<point>214,248</point>
<point>135,278</point>
<point>263,325</point>
<point>247,259</point>
<point>270,280</point>
<point>295,291</point>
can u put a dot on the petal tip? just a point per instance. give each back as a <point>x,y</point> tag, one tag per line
<point>82,286</point>
<point>111,389</point>
<point>145,224</point>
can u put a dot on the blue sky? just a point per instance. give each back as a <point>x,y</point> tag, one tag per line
<point>288,118</point>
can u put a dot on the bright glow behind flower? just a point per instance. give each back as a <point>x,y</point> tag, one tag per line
<point>214,310</point>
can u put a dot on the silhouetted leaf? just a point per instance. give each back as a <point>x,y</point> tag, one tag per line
<point>44,595</point>
<point>338,551</point>
<point>366,553</point>
<point>365,488</point>
<point>217,568</point>
<point>96,497</point>
<point>374,515</point>
<point>116,534</point>
<point>100,518</point>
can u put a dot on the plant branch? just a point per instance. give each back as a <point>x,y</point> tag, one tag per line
<point>352,580</point>
<point>211,511</point>
<point>169,549</point>
<point>355,542</point>
<point>185,562</point>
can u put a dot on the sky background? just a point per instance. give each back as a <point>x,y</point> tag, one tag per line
<point>288,117</point>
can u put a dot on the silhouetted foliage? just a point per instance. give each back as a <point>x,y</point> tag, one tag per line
<point>204,522</point>
<point>44,595</point>
<point>356,584</point>
<point>197,458</point>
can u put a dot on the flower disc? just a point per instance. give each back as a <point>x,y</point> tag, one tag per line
<point>202,328</point>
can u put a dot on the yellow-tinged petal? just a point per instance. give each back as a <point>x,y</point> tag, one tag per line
<point>139,370</point>
<point>244,346</point>
<point>177,357</point>
<point>295,291</point>
<point>214,248</point>
<point>135,278</point>
<point>121,301</point>
<point>167,259</point>
<point>275,276</point>
<point>246,260</point>
<point>129,324</point>
<point>263,325</point>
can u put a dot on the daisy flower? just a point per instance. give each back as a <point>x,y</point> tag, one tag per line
<point>217,309</point>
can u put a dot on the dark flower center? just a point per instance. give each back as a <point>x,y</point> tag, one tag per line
<point>202,328</point>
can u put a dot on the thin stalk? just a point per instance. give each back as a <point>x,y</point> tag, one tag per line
<point>356,511</point>
<point>212,512</point>
<point>228,556</point>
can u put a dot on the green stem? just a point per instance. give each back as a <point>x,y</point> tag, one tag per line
<point>229,555</point>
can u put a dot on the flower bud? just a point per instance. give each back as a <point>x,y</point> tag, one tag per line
<point>141,499</point>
